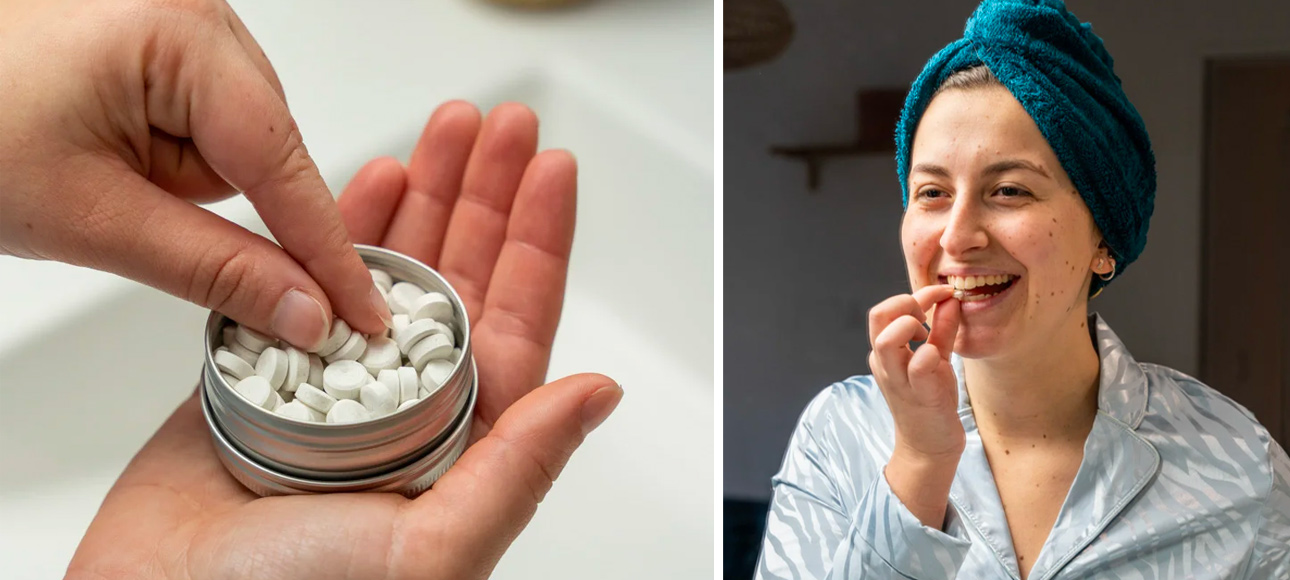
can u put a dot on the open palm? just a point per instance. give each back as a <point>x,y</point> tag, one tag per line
<point>496,219</point>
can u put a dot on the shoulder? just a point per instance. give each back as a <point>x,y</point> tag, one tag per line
<point>856,403</point>
<point>1197,422</point>
<point>847,417</point>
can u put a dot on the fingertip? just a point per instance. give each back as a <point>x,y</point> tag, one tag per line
<point>458,110</point>
<point>515,112</point>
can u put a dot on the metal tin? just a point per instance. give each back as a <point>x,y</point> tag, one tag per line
<point>402,452</point>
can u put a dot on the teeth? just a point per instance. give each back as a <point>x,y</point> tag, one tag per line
<point>970,282</point>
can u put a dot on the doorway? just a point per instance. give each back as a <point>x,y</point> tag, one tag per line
<point>1245,267</point>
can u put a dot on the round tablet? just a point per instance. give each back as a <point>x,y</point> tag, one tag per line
<point>343,379</point>
<point>436,374</point>
<point>340,333</point>
<point>297,368</point>
<point>314,398</point>
<point>377,398</point>
<point>275,401</point>
<point>433,306</point>
<point>256,390</point>
<point>233,365</point>
<point>347,411</point>
<point>272,366</point>
<point>382,353</point>
<point>408,383</point>
<point>252,339</point>
<point>390,378</point>
<point>381,278</point>
<point>229,334</point>
<point>401,321</point>
<point>407,403</point>
<point>300,412</point>
<point>244,353</point>
<point>429,348</point>
<point>315,370</point>
<point>414,332</point>
<point>353,349</point>
<point>402,295</point>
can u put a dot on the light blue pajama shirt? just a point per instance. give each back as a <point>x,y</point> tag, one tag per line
<point>1177,481</point>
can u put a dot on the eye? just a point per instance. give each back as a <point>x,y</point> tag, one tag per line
<point>930,192</point>
<point>1009,191</point>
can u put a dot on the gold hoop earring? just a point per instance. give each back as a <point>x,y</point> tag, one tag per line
<point>1107,279</point>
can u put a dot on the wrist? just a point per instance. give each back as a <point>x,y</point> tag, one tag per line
<point>922,483</point>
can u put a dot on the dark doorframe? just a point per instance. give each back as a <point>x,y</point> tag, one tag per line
<point>1245,321</point>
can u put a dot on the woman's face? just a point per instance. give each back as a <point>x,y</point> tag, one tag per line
<point>987,195</point>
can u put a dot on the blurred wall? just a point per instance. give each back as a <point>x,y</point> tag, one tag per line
<point>802,269</point>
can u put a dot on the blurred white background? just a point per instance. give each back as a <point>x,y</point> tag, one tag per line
<point>90,365</point>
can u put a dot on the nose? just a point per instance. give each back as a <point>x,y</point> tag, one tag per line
<point>964,230</point>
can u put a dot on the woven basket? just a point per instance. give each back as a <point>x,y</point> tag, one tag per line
<point>756,31</point>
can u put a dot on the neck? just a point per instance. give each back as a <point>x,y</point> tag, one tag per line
<point>1046,395</point>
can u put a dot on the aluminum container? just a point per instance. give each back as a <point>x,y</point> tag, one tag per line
<point>403,452</point>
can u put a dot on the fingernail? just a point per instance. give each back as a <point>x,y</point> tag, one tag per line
<point>300,320</point>
<point>599,405</point>
<point>381,308</point>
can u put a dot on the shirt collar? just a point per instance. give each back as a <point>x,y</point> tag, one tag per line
<point>1122,390</point>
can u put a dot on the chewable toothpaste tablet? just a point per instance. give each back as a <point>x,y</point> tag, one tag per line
<point>233,364</point>
<point>339,334</point>
<point>272,366</point>
<point>348,411</point>
<point>252,339</point>
<point>314,398</point>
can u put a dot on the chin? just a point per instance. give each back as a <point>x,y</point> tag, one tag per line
<point>970,345</point>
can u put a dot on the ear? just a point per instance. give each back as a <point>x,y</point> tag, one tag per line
<point>1102,263</point>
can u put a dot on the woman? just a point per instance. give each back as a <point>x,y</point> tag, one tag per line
<point>1022,439</point>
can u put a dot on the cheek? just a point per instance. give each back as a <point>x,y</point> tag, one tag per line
<point>919,245</point>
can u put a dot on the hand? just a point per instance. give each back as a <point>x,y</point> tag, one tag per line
<point>121,115</point>
<point>498,222</point>
<point>919,386</point>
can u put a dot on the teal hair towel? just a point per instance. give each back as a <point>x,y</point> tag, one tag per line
<point>1064,78</point>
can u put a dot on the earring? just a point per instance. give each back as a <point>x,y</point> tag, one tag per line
<point>1101,261</point>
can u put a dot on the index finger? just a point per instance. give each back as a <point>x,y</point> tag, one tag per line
<point>244,130</point>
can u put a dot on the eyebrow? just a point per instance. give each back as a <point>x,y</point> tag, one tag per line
<point>993,168</point>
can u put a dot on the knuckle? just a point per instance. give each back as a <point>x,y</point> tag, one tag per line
<point>222,276</point>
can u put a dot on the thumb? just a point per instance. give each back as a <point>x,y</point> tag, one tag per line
<point>494,489</point>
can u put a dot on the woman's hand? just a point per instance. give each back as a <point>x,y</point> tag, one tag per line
<point>497,220</point>
<point>120,115</point>
<point>922,393</point>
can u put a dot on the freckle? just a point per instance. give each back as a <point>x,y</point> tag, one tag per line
<point>271,129</point>
<point>1045,436</point>
<point>29,225</point>
<point>1023,558</point>
<point>1050,234</point>
<point>915,244</point>
<point>1052,293</point>
<point>1006,452</point>
<point>1032,445</point>
<point>1054,220</point>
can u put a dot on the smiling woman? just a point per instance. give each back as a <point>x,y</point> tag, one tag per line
<point>1022,439</point>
